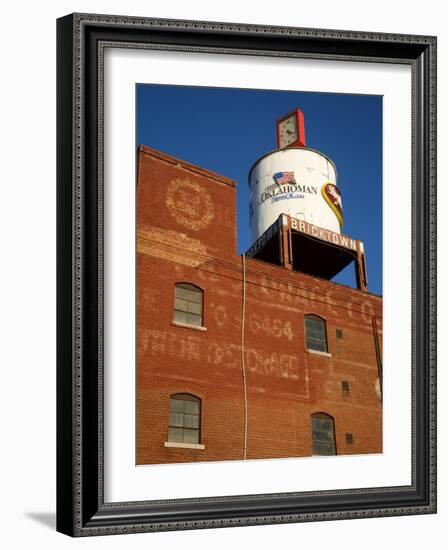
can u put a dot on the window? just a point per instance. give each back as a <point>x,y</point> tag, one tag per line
<point>322,426</point>
<point>188,304</point>
<point>345,388</point>
<point>184,423</point>
<point>316,334</point>
<point>349,438</point>
<point>339,334</point>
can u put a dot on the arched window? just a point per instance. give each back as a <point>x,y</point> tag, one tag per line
<point>322,426</point>
<point>188,304</point>
<point>184,423</point>
<point>316,333</point>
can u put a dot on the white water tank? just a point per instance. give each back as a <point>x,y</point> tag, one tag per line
<point>297,181</point>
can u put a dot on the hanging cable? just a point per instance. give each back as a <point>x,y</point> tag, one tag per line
<point>243,364</point>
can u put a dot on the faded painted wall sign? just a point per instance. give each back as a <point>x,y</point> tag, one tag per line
<point>189,204</point>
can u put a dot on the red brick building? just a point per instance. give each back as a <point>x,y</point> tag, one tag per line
<point>239,357</point>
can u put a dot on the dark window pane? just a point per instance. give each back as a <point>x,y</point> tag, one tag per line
<point>184,419</point>
<point>177,405</point>
<point>182,293</point>
<point>191,421</point>
<point>316,345</point>
<point>191,436</point>
<point>180,317</point>
<point>188,305</point>
<point>316,338</point>
<point>192,407</point>
<point>176,435</point>
<point>195,296</point>
<point>192,294</point>
<point>193,319</point>
<point>194,308</point>
<point>177,420</point>
<point>180,305</point>
<point>323,449</point>
<point>323,436</point>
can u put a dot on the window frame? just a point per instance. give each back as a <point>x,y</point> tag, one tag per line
<point>200,290</point>
<point>325,416</point>
<point>324,324</point>
<point>182,396</point>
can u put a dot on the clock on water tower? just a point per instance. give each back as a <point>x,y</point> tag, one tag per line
<point>294,180</point>
<point>291,130</point>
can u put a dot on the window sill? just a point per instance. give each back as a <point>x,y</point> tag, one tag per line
<point>179,445</point>
<point>321,353</point>
<point>184,325</point>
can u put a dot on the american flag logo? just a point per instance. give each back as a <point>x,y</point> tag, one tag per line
<point>284,177</point>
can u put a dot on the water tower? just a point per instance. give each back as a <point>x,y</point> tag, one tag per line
<point>296,215</point>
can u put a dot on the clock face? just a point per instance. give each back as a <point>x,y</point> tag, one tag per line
<point>288,132</point>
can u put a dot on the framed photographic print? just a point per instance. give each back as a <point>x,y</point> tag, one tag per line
<point>246,274</point>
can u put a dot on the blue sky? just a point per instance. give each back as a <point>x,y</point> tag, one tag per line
<point>226,130</point>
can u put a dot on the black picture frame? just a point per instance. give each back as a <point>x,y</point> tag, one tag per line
<point>81,510</point>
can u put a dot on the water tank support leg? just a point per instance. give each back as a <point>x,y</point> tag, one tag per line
<point>286,247</point>
<point>361,275</point>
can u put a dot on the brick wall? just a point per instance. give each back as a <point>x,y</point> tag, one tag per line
<point>186,233</point>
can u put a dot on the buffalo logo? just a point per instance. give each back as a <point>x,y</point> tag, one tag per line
<point>333,198</point>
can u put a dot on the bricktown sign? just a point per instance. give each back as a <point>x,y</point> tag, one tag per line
<point>308,229</point>
<point>325,234</point>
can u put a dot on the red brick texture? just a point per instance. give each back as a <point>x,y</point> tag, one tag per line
<point>186,233</point>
